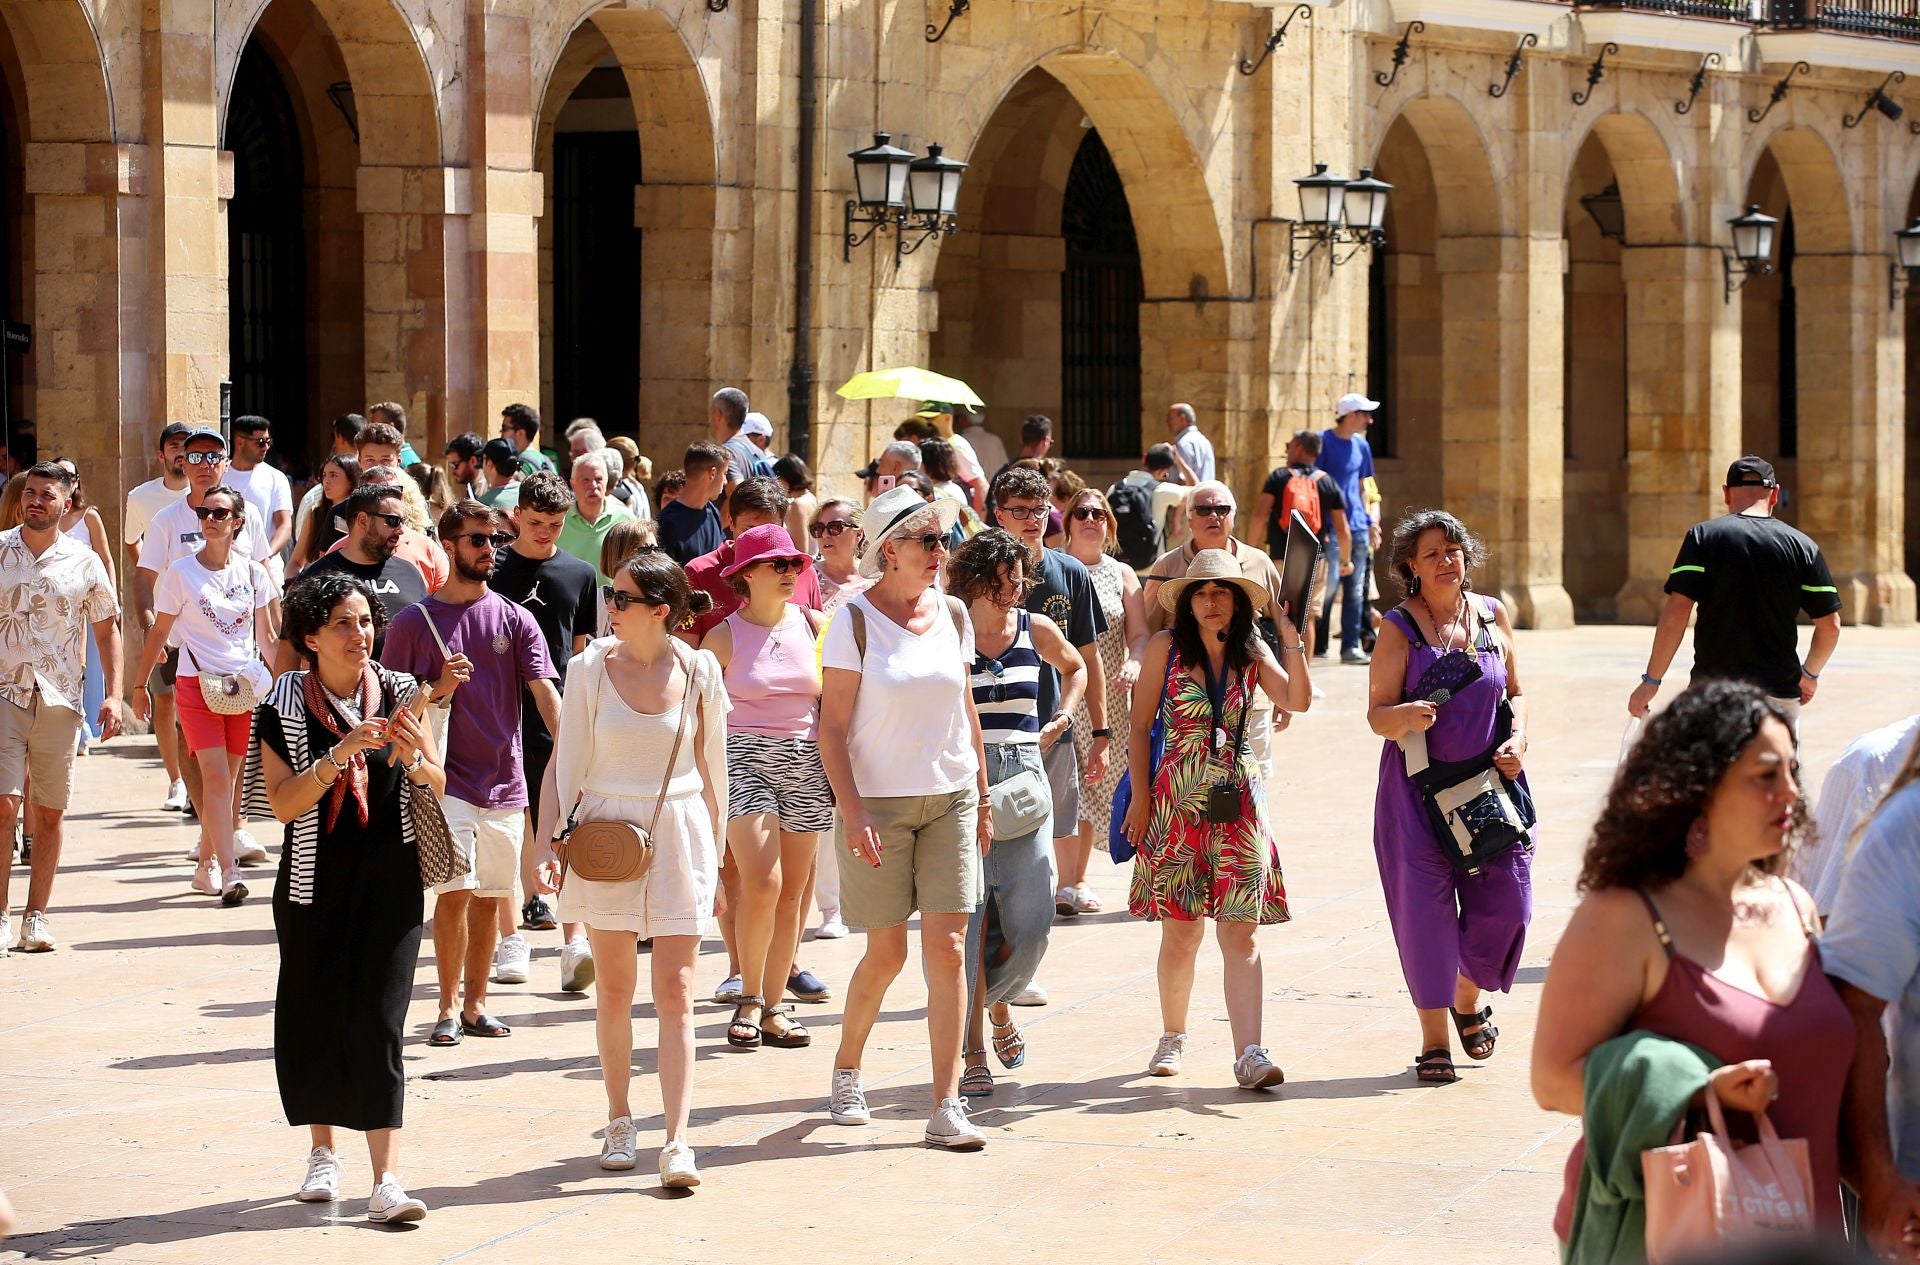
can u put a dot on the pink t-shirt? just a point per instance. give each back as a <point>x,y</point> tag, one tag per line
<point>773,677</point>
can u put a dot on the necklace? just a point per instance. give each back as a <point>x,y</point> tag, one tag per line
<point>1443,633</point>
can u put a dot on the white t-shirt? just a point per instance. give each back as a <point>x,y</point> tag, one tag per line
<point>266,489</point>
<point>909,734</point>
<point>143,503</point>
<point>174,534</point>
<point>988,450</point>
<point>213,612</point>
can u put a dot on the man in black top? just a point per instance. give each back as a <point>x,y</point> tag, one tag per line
<point>1750,574</point>
<point>689,525</point>
<point>372,515</point>
<point>1326,513</point>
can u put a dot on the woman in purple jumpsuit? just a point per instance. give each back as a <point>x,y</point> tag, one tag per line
<point>1457,933</point>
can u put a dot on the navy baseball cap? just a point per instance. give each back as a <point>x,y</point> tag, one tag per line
<point>172,430</point>
<point>1751,472</point>
<point>207,432</point>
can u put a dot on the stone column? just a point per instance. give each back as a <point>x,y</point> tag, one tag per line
<point>679,314</point>
<point>1683,408</point>
<point>1501,466</point>
<point>1851,457</point>
<point>404,213</point>
<point>501,362</point>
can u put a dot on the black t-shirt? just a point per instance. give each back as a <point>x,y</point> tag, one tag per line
<point>557,592</point>
<point>1276,487</point>
<point>686,534</point>
<point>1751,575</point>
<point>396,582</point>
<point>1065,595</point>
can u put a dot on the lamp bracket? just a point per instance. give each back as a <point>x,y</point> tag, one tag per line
<point>1874,98</point>
<point>1595,73</point>
<point>877,220</point>
<point>1279,37</point>
<point>341,94</point>
<point>1898,280</point>
<point>1400,51</point>
<point>921,229</point>
<point>1779,91</point>
<point>1733,266</point>
<point>936,33</point>
<point>1315,236</point>
<point>1499,90</point>
<point>1698,82</point>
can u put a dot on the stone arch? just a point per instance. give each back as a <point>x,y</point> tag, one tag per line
<point>1642,161</point>
<point>1816,186</point>
<point>1465,167</point>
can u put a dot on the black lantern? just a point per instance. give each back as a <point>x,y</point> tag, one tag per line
<point>1320,200</point>
<point>880,174</point>
<point>1334,211</point>
<point>1366,204</point>
<point>1608,212</point>
<point>1906,266</point>
<point>933,183</point>
<point>1752,253</point>
<point>895,190</point>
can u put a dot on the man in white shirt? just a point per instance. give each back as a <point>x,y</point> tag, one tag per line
<point>1195,449</point>
<point>1853,788</point>
<point>989,451</point>
<point>265,488</point>
<point>142,504</point>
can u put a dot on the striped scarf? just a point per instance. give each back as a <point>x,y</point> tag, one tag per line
<point>354,780</point>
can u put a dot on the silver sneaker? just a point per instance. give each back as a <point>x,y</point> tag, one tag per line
<point>323,1178</point>
<point>949,1127</point>
<point>1255,1070</point>
<point>617,1152</point>
<point>848,1103</point>
<point>1166,1055</point>
<point>677,1169</point>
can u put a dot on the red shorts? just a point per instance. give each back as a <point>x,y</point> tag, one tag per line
<point>205,728</point>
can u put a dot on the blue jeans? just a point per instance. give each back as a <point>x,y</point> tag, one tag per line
<point>1352,590</point>
<point>1010,927</point>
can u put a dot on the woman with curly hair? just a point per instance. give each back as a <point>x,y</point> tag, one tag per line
<point>1457,933</point>
<point>1690,930</point>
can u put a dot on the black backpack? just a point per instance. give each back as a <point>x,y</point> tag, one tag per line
<point>1133,523</point>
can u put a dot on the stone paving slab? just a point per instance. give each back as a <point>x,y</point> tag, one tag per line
<point>142,1124</point>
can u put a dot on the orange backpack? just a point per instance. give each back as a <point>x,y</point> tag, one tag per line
<point>1303,494</point>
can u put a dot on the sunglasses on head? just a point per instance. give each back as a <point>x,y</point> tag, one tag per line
<point>1213,511</point>
<point>205,458</point>
<point>782,566</point>
<point>829,529</point>
<point>1021,513</point>
<point>481,539</point>
<point>1087,513</point>
<point>620,601</point>
<point>219,514</point>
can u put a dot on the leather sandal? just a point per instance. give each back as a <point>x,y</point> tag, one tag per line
<point>1435,1067</point>
<point>790,1035</point>
<point>1480,1042</point>
<point>977,1080</point>
<point>484,1025</point>
<point>743,1033</point>
<point>1010,1046</point>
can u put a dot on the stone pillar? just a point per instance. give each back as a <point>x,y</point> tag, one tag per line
<point>404,213</point>
<point>1501,465</point>
<point>1683,408</point>
<point>502,364</point>
<point>678,316</point>
<point>1851,457</point>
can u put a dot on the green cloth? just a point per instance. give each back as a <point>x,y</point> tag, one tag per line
<point>583,539</point>
<point>1638,1087</point>
<point>534,460</point>
<point>503,498</point>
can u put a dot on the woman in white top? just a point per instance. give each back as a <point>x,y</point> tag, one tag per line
<point>900,741</point>
<point>82,522</point>
<point>620,722</point>
<point>218,608</point>
<point>837,539</point>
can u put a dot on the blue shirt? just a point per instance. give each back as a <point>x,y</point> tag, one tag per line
<point>1349,461</point>
<point>686,533</point>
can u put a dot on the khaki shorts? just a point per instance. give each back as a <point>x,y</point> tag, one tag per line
<point>490,839</point>
<point>37,744</point>
<point>929,860</point>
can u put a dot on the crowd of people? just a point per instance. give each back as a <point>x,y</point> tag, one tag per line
<point>639,711</point>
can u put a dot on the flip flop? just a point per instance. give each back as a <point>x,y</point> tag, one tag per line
<point>446,1032</point>
<point>484,1026</point>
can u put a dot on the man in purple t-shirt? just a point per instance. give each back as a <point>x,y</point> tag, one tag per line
<point>479,650</point>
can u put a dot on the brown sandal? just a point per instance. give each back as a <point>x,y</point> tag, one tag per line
<point>745,1034</point>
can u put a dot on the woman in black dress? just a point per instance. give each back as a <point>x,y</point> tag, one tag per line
<point>335,756</point>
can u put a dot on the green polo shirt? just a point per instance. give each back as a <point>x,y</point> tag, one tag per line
<point>583,539</point>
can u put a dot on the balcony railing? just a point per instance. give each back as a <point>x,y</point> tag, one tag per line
<point>1887,19</point>
<point>1711,10</point>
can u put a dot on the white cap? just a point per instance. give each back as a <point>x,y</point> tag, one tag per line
<point>757,424</point>
<point>1354,402</point>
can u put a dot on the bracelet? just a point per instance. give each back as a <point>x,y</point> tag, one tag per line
<point>1103,732</point>
<point>419,758</point>
<point>142,686</point>
<point>337,766</point>
<point>1646,679</point>
<point>1810,676</point>
<point>322,782</point>
<point>1299,649</point>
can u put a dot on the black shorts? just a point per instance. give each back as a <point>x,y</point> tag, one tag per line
<point>536,749</point>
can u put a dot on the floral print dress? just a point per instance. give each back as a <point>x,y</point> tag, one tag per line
<point>1187,867</point>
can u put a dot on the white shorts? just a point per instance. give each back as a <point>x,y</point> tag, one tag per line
<point>490,840</point>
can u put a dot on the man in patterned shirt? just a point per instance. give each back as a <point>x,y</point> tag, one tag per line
<point>51,587</point>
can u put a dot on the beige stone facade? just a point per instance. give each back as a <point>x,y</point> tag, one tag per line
<point>1574,397</point>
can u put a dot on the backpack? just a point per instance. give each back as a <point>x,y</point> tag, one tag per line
<point>1132,506</point>
<point>1301,493</point>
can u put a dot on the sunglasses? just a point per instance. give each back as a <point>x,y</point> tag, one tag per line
<point>829,529</point>
<point>783,566</point>
<point>391,520</point>
<point>206,512</point>
<point>996,669</point>
<point>205,458</point>
<point>1087,513</point>
<point>1213,511</point>
<point>481,540</point>
<point>620,601</point>
<point>932,542</point>
<point>1021,513</point>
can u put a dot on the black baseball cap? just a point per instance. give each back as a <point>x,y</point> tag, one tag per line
<point>500,452</point>
<point>172,430</point>
<point>1751,472</point>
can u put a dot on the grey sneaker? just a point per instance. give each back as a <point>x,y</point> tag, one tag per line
<point>1166,1055</point>
<point>949,1127</point>
<point>848,1103</point>
<point>1255,1070</point>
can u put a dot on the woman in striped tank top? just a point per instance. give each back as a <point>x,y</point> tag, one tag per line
<point>1007,935</point>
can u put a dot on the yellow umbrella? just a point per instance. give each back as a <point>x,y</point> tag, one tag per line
<point>908,383</point>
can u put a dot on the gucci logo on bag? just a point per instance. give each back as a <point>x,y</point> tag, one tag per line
<point>597,854</point>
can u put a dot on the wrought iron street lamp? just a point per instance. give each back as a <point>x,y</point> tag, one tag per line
<point>1366,205</point>
<point>1902,272</point>
<point>1608,212</point>
<point>880,190</point>
<point>1336,211</point>
<point>933,187</point>
<point>1752,253</point>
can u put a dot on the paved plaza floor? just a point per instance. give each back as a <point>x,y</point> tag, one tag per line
<point>139,1120</point>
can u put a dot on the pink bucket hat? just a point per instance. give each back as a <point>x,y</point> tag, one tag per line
<point>761,544</point>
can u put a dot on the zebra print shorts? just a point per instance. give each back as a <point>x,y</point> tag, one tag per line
<point>782,776</point>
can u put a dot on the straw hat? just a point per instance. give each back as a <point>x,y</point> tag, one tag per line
<point>887,513</point>
<point>1218,566</point>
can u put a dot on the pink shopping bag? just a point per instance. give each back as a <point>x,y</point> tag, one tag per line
<point>1708,1192</point>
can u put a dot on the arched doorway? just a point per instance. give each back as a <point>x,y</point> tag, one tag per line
<point>1406,318</point>
<point>1769,343</point>
<point>16,264</point>
<point>1100,293</point>
<point>266,249</point>
<point>1594,376</point>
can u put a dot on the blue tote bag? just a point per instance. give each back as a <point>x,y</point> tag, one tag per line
<point>1118,845</point>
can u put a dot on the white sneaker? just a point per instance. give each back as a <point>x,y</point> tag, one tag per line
<point>1085,901</point>
<point>848,1104</point>
<point>37,937</point>
<point>323,1178</point>
<point>510,960</point>
<point>1063,903</point>
<point>247,849</point>
<point>616,1152</point>
<point>950,1128</point>
<point>176,800</point>
<point>677,1170</point>
<point>206,879</point>
<point>6,934</point>
<point>1255,1070</point>
<point>1031,995</point>
<point>390,1202</point>
<point>1316,692</point>
<point>232,890</point>
<point>576,967</point>
<point>1166,1055</point>
<point>831,928</point>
